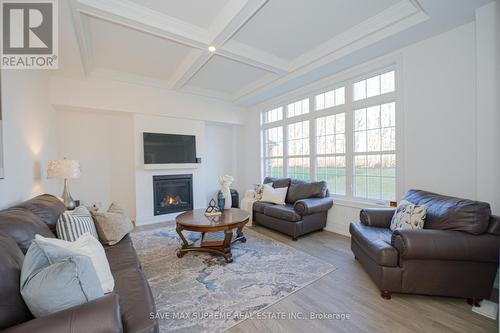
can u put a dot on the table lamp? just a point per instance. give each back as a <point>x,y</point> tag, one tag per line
<point>65,169</point>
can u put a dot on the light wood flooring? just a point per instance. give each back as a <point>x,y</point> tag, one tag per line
<point>349,289</point>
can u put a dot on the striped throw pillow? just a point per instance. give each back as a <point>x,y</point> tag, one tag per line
<point>73,224</point>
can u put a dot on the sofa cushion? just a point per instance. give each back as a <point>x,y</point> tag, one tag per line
<point>54,279</point>
<point>376,243</point>
<point>278,182</point>
<point>450,213</point>
<point>300,189</point>
<point>259,206</point>
<point>136,301</point>
<point>122,255</point>
<point>47,207</point>
<point>13,310</point>
<point>22,225</point>
<point>286,213</point>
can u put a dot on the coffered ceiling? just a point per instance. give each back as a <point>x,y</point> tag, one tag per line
<point>261,45</point>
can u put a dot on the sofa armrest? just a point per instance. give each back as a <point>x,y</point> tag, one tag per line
<point>312,205</point>
<point>377,217</point>
<point>445,245</point>
<point>100,315</point>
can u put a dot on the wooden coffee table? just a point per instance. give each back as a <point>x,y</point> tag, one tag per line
<point>216,231</point>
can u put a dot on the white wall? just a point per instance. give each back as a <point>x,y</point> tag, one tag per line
<point>221,146</point>
<point>104,145</point>
<point>109,95</point>
<point>488,117</point>
<point>28,136</point>
<point>439,119</point>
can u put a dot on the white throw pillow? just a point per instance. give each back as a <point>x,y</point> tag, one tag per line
<point>274,195</point>
<point>89,246</point>
<point>408,216</point>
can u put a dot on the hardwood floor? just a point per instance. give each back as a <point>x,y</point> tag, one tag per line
<point>350,290</point>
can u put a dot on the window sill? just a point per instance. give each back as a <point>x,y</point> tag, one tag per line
<point>358,203</point>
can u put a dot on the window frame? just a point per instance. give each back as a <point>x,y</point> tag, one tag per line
<point>348,108</point>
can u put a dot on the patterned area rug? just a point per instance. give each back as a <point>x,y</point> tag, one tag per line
<point>201,293</point>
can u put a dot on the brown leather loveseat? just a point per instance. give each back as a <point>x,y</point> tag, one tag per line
<point>127,309</point>
<point>306,209</point>
<point>456,254</point>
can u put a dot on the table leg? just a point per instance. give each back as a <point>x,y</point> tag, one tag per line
<point>228,236</point>
<point>184,245</point>
<point>239,234</point>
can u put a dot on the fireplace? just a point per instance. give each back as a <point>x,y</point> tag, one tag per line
<point>172,193</point>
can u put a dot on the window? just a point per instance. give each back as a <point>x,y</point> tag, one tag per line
<point>349,140</point>
<point>273,152</point>
<point>374,86</point>
<point>330,98</point>
<point>272,115</point>
<point>298,108</point>
<point>298,150</point>
<point>374,152</point>
<point>330,152</point>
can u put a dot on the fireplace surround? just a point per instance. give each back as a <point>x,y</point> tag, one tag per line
<point>172,193</point>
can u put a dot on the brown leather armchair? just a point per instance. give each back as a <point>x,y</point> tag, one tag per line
<point>456,254</point>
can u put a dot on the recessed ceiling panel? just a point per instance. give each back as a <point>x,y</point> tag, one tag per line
<point>225,75</point>
<point>120,48</point>
<point>289,28</point>
<point>198,12</point>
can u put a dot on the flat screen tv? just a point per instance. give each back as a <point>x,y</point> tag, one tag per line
<point>169,148</point>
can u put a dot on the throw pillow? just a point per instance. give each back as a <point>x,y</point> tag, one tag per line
<point>112,225</point>
<point>86,245</point>
<point>72,224</point>
<point>49,286</point>
<point>408,216</point>
<point>274,195</point>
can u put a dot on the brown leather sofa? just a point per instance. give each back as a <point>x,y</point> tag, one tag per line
<point>456,254</point>
<point>306,209</point>
<point>127,309</point>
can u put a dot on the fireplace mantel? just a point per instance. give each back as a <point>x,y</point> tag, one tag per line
<point>171,166</point>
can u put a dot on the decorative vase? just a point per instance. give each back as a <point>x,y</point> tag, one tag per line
<point>225,181</point>
<point>220,201</point>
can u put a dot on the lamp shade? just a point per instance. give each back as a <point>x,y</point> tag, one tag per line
<point>64,169</point>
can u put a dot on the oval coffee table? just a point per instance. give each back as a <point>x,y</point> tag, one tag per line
<point>216,231</point>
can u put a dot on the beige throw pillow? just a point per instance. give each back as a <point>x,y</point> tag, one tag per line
<point>274,195</point>
<point>112,225</point>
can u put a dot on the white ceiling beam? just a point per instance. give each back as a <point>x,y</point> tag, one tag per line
<point>234,16</point>
<point>189,67</point>
<point>83,40</point>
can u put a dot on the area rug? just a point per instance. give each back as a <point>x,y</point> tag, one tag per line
<point>201,293</point>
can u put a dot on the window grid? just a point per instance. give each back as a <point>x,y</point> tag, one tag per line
<point>363,169</point>
<point>273,115</point>
<point>330,99</point>
<point>298,150</point>
<point>273,151</point>
<point>298,108</point>
<point>374,152</point>
<point>330,152</point>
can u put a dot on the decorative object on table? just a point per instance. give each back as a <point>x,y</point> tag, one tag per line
<point>235,198</point>
<point>212,209</point>
<point>221,202</point>
<point>74,223</point>
<point>112,225</point>
<point>226,181</point>
<point>65,169</point>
